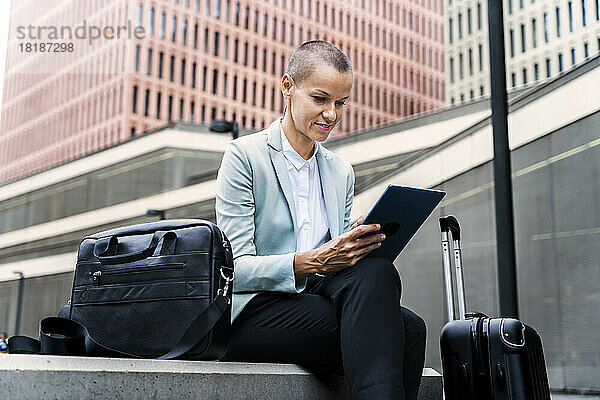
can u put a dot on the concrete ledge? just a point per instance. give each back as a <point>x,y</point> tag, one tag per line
<point>55,377</point>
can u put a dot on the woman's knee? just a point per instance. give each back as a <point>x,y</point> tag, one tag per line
<point>414,324</point>
<point>379,272</point>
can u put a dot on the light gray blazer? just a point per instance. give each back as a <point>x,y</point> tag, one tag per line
<point>255,208</point>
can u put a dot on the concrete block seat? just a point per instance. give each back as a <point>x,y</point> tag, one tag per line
<point>57,377</point>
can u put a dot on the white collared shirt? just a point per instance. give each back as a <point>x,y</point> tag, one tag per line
<point>312,228</point>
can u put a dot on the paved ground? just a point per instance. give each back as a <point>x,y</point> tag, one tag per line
<point>556,396</point>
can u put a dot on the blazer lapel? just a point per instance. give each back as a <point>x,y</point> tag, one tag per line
<point>329,185</point>
<point>278,161</point>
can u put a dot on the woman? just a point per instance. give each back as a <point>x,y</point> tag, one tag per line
<point>304,292</point>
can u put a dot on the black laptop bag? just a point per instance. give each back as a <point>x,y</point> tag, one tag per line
<point>151,290</point>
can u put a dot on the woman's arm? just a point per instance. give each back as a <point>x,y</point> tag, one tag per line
<point>343,251</point>
<point>235,209</point>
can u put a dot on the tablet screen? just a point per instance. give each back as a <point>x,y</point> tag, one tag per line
<point>401,210</point>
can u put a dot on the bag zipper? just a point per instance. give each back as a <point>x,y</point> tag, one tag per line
<point>96,275</point>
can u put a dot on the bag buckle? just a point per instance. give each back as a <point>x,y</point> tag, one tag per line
<point>223,292</point>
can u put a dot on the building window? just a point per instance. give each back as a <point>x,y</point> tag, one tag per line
<point>139,14</point>
<point>274,28</point>
<point>586,50</point>
<point>225,84</point>
<point>195,36</point>
<point>216,49</point>
<point>158,104</point>
<point>597,4</point>
<point>512,42</point>
<point>470,62</point>
<point>206,8</point>
<point>244,83</point>
<point>513,78</point>
<point>237,14</point>
<point>134,100</point>
<point>480,51</point>
<point>185,30</point>
<point>204,78</point>
<point>572,56</point>
<point>170,109</point>
<point>478,16</point>
<point>172,69</point>
<point>560,62</point>
<point>245,53</point>
<point>459,25</point>
<point>173,29</point>
<point>206,34</point>
<point>227,7</point>
<point>146,102</point>
<point>450,35</point>
<point>557,21</point>
<point>481,90</point>
<point>218,10</point>
<point>236,44</point>
<point>151,22</point>
<point>460,66</point>
<point>202,112</point>
<point>181,109</point>
<point>215,81</point>
<point>583,16</point>
<point>534,32</point>
<point>226,55</point>
<point>256,21</point>
<point>234,88</point>
<point>163,19</point>
<point>160,64</point>
<point>510,6</point>
<point>246,17</point>
<point>469,21</point>
<point>521,5</point>
<point>522,38</point>
<point>548,68</point>
<point>524,76</point>
<point>183,71</point>
<point>546,31</point>
<point>570,6</point>
<point>193,75</point>
<point>192,111</point>
<point>137,58</point>
<point>536,72</point>
<point>149,65</point>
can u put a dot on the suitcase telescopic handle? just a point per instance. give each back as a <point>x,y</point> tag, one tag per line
<point>450,229</point>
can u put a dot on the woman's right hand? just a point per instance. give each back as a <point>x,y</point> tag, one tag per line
<point>339,253</point>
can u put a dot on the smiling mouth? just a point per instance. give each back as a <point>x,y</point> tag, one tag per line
<point>325,127</point>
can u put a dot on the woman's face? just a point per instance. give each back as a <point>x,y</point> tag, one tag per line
<point>316,105</point>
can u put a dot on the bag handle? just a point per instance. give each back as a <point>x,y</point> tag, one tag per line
<point>63,336</point>
<point>105,249</point>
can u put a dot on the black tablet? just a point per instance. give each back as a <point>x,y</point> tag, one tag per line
<point>401,210</point>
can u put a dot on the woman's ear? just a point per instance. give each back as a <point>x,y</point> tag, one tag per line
<point>287,86</point>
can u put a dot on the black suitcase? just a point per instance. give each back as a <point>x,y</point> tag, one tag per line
<point>486,358</point>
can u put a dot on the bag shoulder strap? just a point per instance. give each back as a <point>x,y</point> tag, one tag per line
<point>63,336</point>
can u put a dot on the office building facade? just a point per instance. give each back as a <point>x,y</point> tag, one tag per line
<point>542,39</point>
<point>196,61</point>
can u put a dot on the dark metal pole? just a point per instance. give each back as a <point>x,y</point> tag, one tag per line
<point>19,301</point>
<point>505,233</point>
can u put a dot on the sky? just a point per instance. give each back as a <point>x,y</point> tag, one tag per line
<point>4,14</point>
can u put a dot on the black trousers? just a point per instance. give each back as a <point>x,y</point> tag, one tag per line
<point>349,322</point>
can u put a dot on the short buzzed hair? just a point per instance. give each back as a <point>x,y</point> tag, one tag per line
<point>309,55</point>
